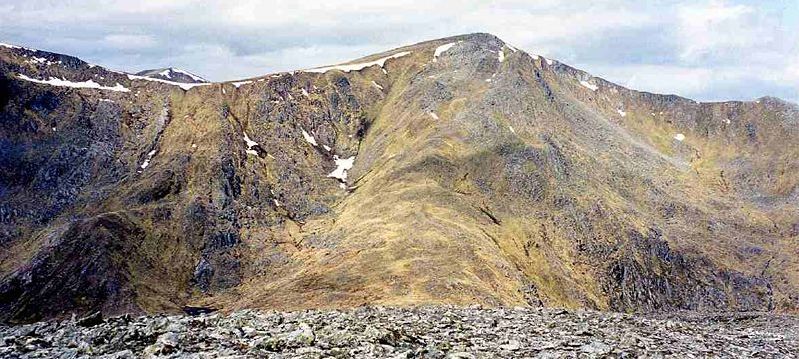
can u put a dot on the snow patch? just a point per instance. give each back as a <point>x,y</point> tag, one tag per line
<point>679,137</point>
<point>359,66</point>
<point>441,49</point>
<point>40,60</point>
<point>147,159</point>
<point>238,84</point>
<point>727,121</point>
<point>305,93</point>
<point>189,74</point>
<point>342,166</point>
<point>549,62</point>
<point>511,129</point>
<point>433,115</point>
<point>327,148</point>
<point>589,85</point>
<point>375,84</point>
<point>184,86</point>
<point>309,138</point>
<point>250,144</point>
<point>621,112</point>
<point>511,47</point>
<point>9,46</point>
<point>64,83</point>
<point>501,56</point>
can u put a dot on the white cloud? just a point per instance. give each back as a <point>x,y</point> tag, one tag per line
<point>667,79</point>
<point>715,26</point>
<point>123,41</point>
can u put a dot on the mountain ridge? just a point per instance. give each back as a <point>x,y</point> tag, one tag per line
<point>525,181</point>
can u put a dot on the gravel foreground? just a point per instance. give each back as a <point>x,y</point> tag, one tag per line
<point>427,332</point>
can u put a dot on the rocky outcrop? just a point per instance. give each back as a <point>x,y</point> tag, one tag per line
<point>430,332</point>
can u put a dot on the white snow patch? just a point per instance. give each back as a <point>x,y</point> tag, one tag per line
<point>9,46</point>
<point>342,166</point>
<point>727,121</point>
<point>106,100</point>
<point>189,74</point>
<point>549,62</point>
<point>441,49</point>
<point>166,73</point>
<point>184,86</point>
<point>501,56</point>
<point>250,144</point>
<point>305,93</point>
<point>238,84</point>
<point>511,47</point>
<point>679,137</point>
<point>309,138</point>
<point>359,66</point>
<point>193,145</point>
<point>85,84</point>
<point>53,129</point>
<point>148,159</point>
<point>433,115</point>
<point>488,80</point>
<point>40,60</point>
<point>589,85</point>
<point>511,129</point>
<point>375,84</point>
<point>327,148</point>
<point>621,112</point>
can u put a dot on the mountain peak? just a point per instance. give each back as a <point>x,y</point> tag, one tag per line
<point>172,74</point>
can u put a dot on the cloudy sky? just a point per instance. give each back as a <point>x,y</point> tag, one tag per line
<point>702,49</point>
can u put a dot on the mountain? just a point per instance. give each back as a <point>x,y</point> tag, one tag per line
<point>456,171</point>
<point>172,74</point>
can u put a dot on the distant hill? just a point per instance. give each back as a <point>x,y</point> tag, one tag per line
<point>172,74</point>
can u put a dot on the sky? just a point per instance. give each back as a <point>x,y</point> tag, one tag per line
<point>708,50</point>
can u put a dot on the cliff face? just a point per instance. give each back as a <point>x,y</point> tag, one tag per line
<point>459,170</point>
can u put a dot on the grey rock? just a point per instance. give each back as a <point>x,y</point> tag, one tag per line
<point>426,332</point>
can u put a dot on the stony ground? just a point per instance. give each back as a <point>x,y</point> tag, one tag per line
<point>431,332</point>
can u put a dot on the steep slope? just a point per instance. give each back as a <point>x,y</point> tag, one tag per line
<point>458,170</point>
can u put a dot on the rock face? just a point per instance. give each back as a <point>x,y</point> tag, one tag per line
<point>455,171</point>
<point>428,332</point>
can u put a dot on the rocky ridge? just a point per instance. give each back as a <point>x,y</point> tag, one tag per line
<point>427,332</point>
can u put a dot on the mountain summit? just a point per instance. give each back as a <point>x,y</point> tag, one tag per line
<point>172,74</point>
<point>460,170</point>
